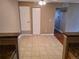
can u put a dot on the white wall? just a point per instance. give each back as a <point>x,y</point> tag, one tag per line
<point>72,19</point>
<point>9,17</point>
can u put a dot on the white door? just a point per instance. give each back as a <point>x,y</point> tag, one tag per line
<point>25,16</point>
<point>36,20</point>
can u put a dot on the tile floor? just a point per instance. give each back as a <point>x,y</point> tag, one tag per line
<point>39,47</point>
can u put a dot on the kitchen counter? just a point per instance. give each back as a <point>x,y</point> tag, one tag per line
<point>72,34</point>
<point>8,38</point>
<point>8,34</point>
<point>70,38</point>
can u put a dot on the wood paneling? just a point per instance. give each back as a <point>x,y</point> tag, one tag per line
<point>8,41</point>
<point>47,18</point>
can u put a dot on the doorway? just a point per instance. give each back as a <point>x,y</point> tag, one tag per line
<point>60,23</point>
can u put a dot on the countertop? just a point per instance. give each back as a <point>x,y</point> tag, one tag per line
<point>8,34</point>
<point>72,34</point>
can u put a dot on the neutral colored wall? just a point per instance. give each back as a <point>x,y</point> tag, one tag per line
<point>9,17</point>
<point>72,18</point>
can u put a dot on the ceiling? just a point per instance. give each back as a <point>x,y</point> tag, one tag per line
<point>69,1</point>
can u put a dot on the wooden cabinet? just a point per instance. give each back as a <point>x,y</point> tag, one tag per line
<point>71,48</point>
<point>8,45</point>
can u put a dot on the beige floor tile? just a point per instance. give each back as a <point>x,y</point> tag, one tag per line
<point>27,53</point>
<point>36,57</point>
<point>35,53</point>
<point>35,48</point>
<point>25,57</point>
<point>52,57</point>
<point>50,53</point>
<point>44,57</point>
<point>40,47</point>
<point>28,49</point>
<point>43,53</point>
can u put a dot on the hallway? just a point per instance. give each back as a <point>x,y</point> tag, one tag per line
<point>39,47</point>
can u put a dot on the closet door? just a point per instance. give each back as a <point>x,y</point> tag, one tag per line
<point>36,20</point>
<point>25,16</point>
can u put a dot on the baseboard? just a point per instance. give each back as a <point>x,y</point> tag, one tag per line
<point>59,30</point>
<point>26,32</point>
<point>46,34</point>
<point>23,34</point>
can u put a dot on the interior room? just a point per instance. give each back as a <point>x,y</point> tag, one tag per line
<point>39,29</point>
